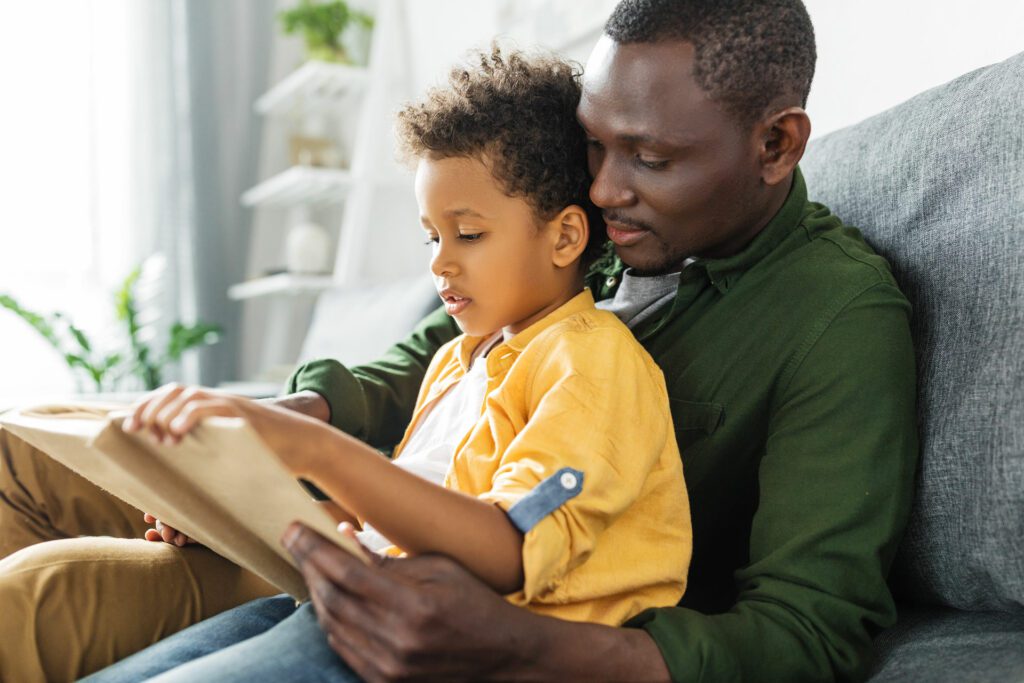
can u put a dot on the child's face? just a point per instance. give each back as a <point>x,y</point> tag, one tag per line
<point>492,256</point>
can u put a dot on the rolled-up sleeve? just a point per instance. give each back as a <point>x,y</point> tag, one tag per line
<point>599,419</point>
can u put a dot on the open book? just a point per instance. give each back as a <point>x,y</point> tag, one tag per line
<point>220,485</point>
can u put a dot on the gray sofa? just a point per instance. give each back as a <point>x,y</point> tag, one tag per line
<point>937,186</point>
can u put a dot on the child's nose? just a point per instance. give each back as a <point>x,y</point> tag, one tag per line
<point>442,265</point>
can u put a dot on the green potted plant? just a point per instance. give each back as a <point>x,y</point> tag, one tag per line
<point>322,25</point>
<point>105,369</point>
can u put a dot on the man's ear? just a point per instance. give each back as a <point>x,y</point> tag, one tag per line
<point>571,231</point>
<point>782,138</point>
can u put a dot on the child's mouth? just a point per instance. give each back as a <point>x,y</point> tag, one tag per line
<point>454,304</point>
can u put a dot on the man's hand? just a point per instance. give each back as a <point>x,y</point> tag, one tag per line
<point>427,618</point>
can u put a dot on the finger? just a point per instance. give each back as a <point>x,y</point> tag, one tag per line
<point>180,540</point>
<point>349,627</point>
<point>348,531</point>
<point>133,422</point>
<point>197,411</point>
<point>148,518</point>
<point>147,415</point>
<point>153,535</point>
<point>173,408</point>
<point>167,533</point>
<point>343,569</point>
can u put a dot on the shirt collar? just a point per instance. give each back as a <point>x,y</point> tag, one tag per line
<point>581,302</point>
<point>723,272</point>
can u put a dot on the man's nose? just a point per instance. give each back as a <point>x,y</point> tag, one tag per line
<point>611,187</point>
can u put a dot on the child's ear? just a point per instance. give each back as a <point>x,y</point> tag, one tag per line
<point>572,230</point>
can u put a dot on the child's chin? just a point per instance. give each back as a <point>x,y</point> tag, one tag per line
<point>472,330</point>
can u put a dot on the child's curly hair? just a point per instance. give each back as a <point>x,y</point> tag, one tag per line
<point>520,111</point>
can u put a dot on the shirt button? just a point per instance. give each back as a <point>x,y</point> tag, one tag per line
<point>611,281</point>
<point>568,480</point>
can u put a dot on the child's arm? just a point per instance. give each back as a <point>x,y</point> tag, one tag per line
<point>417,515</point>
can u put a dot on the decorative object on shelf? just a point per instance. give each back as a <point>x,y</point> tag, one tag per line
<point>312,146</point>
<point>108,370</point>
<point>333,31</point>
<point>307,245</point>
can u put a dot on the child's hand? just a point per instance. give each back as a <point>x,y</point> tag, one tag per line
<point>164,533</point>
<point>172,411</point>
<point>167,413</point>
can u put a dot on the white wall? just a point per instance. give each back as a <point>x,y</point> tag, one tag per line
<point>873,54</point>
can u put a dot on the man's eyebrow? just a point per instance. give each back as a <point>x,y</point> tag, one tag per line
<point>645,139</point>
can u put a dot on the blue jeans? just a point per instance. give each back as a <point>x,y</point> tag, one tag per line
<point>264,640</point>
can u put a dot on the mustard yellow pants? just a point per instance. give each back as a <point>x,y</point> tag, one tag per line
<point>79,587</point>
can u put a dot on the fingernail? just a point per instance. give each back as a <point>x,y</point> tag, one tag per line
<point>290,534</point>
<point>177,423</point>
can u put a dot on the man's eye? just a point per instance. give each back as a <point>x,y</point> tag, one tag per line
<point>653,164</point>
<point>596,144</point>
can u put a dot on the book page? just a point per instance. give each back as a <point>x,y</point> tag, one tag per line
<point>221,485</point>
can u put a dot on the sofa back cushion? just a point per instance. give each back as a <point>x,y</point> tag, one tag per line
<point>358,324</point>
<point>937,186</point>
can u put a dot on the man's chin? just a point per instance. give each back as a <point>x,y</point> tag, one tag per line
<point>646,261</point>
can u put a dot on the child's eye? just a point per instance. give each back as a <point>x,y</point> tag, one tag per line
<point>471,237</point>
<point>431,239</point>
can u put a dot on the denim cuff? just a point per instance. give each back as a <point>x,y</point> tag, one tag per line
<point>545,498</point>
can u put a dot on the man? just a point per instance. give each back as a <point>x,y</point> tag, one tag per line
<point>786,350</point>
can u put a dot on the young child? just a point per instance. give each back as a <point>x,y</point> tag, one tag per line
<point>541,453</point>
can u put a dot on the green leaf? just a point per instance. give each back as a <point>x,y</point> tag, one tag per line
<point>185,337</point>
<point>80,337</point>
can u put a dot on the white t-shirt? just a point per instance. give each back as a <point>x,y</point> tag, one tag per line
<point>428,453</point>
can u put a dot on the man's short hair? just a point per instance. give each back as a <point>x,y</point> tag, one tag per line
<point>520,111</point>
<point>747,52</point>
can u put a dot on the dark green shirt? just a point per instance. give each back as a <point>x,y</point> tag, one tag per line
<point>791,376</point>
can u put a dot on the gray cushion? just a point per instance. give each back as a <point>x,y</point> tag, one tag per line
<point>937,186</point>
<point>942,645</point>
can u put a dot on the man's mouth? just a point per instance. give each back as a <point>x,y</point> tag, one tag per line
<point>454,303</point>
<point>623,235</point>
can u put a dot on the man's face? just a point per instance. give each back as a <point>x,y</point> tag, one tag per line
<point>674,174</point>
<point>491,256</point>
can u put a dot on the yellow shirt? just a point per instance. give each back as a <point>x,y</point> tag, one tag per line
<point>577,390</point>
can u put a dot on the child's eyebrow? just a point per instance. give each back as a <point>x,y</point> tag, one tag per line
<point>463,213</point>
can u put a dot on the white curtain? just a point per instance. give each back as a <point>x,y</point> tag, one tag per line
<point>126,129</point>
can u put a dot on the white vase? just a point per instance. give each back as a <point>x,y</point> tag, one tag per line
<point>307,247</point>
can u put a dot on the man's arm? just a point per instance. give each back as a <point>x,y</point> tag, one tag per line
<point>374,402</point>
<point>427,618</point>
<point>307,402</point>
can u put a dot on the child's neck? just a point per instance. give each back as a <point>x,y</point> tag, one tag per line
<point>571,290</point>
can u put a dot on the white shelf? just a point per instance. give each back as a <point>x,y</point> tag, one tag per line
<point>313,84</point>
<point>283,283</point>
<point>300,185</point>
